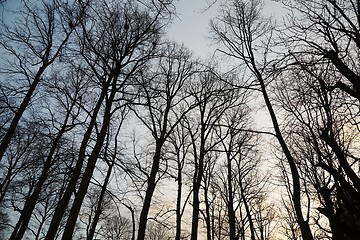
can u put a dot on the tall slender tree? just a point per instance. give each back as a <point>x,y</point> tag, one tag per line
<point>246,36</point>
<point>213,97</point>
<point>164,102</point>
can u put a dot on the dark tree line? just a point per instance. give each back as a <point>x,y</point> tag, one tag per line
<point>110,131</point>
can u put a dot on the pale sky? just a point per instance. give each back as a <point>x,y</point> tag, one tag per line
<point>192,27</point>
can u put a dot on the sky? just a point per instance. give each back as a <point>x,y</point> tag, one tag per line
<point>192,26</point>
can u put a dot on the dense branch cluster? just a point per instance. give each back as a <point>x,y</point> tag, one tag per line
<point>110,131</point>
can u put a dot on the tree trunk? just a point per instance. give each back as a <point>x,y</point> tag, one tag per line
<point>248,213</point>
<point>296,198</point>
<point>151,184</point>
<point>99,205</point>
<point>30,202</point>
<point>63,203</point>
<point>207,212</point>
<point>198,176</point>
<point>25,102</point>
<point>87,175</point>
<point>230,203</point>
<point>178,204</point>
<point>195,212</point>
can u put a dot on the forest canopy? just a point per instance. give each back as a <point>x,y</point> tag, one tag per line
<point>109,130</point>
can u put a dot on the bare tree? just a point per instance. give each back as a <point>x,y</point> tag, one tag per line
<point>323,42</point>
<point>33,43</point>
<point>289,227</point>
<point>163,103</point>
<point>179,150</point>
<point>157,231</point>
<point>111,223</point>
<point>319,139</point>
<point>133,34</point>
<point>236,145</point>
<point>4,221</point>
<point>241,190</point>
<point>213,98</point>
<point>246,36</point>
<point>64,121</point>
